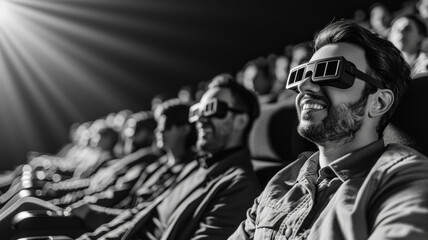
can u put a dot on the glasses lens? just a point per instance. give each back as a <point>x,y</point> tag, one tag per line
<point>320,69</point>
<point>299,74</point>
<point>292,77</point>
<point>210,109</point>
<point>332,67</point>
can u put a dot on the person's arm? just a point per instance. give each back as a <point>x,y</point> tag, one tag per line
<point>247,227</point>
<point>401,208</point>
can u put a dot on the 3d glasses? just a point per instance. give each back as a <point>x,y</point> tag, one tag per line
<point>213,108</point>
<point>336,72</point>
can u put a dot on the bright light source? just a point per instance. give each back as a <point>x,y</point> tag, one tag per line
<point>55,58</point>
<point>4,11</point>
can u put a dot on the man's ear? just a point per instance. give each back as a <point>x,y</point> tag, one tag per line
<point>381,102</point>
<point>241,121</point>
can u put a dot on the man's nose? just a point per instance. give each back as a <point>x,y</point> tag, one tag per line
<point>307,85</point>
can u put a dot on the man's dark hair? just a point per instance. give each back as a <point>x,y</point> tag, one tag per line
<point>146,121</point>
<point>243,98</point>
<point>107,132</point>
<point>385,61</point>
<point>177,114</point>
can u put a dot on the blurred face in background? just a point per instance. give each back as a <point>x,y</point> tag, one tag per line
<point>254,79</point>
<point>299,56</point>
<point>281,69</point>
<point>168,137</point>
<point>379,18</point>
<point>422,7</point>
<point>135,137</point>
<point>405,35</point>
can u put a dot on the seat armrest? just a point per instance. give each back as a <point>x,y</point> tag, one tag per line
<point>45,220</point>
<point>46,238</point>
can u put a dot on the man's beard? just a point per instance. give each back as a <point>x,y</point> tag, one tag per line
<point>341,124</point>
<point>214,143</point>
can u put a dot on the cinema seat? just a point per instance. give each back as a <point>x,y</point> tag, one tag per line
<point>274,141</point>
<point>409,124</point>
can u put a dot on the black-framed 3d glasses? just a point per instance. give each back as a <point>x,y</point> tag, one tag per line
<point>336,72</point>
<point>213,108</point>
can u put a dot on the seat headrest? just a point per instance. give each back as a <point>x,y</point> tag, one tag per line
<point>274,135</point>
<point>409,124</point>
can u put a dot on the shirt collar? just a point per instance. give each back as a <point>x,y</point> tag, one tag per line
<point>356,163</point>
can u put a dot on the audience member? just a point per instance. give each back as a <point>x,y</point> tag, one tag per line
<point>407,33</point>
<point>176,136</point>
<point>103,139</point>
<point>354,187</point>
<point>186,94</point>
<point>280,71</point>
<point>138,132</point>
<point>380,19</point>
<point>200,89</point>
<point>94,147</point>
<point>258,77</point>
<point>361,18</point>
<point>123,171</point>
<point>300,53</point>
<point>422,9</point>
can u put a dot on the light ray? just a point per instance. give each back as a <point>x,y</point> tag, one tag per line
<point>55,56</point>
<point>33,70</point>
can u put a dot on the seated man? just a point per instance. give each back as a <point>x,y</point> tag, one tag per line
<point>354,187</point>
<point>211,201</point>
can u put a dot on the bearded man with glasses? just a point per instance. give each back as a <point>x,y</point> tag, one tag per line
<point>355,186</point>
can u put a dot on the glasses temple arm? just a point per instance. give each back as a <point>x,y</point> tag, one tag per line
<point>369,79</point>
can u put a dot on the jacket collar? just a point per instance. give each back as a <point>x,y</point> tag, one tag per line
<point>354,164</point>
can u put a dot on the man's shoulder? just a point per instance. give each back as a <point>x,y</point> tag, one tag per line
<point>235,168</point>
<point>397,157</point>
<point>397,153</point>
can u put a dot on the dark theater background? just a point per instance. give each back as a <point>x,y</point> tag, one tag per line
<point>66,61</point>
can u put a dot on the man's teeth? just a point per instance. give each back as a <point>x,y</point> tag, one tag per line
<point>312,106</point>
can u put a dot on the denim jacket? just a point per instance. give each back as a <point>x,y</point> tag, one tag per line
<point>387,201</point>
